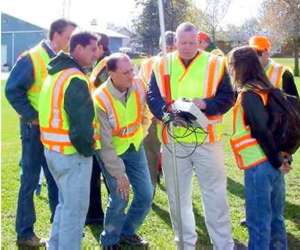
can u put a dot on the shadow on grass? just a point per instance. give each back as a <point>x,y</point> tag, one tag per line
<point>291,210</point>
<point>293,242</point>
<point>161,213</point>
<point>203,238</point>
<point>201,228</point>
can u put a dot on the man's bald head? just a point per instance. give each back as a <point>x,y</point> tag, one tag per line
<point>186,27</point>
<point>186,40</point>
<point>120,69</point>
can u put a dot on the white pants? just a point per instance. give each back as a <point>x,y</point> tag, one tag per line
<point>208,163</point>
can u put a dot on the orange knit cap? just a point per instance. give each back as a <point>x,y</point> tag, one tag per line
<point>202,36</point>
<point>260,43</point>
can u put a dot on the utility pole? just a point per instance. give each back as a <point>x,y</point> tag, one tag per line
<point>66,8</point>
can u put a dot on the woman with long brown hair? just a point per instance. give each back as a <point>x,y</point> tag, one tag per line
<point>256,152</point>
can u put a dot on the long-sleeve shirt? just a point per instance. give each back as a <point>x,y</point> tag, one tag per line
<point>20,81</point>
<point>257,118</point>
<point>112,162</point>
<point>78,105</point>
<point>288,83</point>
<point>216,105</point>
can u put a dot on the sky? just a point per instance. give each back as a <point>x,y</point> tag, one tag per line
<point>119,12</point>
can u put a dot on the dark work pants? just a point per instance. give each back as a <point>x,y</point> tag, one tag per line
<point>95,212</point>
<point>31,162</point>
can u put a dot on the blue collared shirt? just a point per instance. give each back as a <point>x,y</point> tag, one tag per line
<point>19,82</point>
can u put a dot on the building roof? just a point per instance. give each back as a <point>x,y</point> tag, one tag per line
<point>92,28</point>
<point>10,23</point>
<point>109,33</point>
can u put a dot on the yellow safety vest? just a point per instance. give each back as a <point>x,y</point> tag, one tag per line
<point>146,69</point>
<point>274,72</point>
<point>40,60</point>
<point>54,123</point>
<point>96,70</point>
<point>125,121</point>
<point>247,152</point>
<point>199,80</point>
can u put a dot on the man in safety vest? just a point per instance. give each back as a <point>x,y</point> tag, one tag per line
<point>22,91</point>
<point>146,65</point>
<point>69,135</point>
<point>98,76</point>
<point>205,43</point>
<point>199,77</point>
<point>280,76</point>
<point>152,143</point>
<point>120,107</point>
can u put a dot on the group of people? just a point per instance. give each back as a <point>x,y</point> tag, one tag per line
<point>74,123</point>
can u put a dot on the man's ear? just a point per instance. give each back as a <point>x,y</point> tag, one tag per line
<point>55,35</point>
<point>79,48</point>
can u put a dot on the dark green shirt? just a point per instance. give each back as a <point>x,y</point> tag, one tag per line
<point>78,105</point>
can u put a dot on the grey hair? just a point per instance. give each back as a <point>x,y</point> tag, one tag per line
<point>186,27</point>
<point>169,37</point>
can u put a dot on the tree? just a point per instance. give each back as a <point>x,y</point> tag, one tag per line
<point>281,19</point>
<point>147,26</point>
<point>214,14</point>
<point>240,35</point>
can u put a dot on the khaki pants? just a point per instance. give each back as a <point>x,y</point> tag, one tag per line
<point>208,163</point>
<point>152,149</point>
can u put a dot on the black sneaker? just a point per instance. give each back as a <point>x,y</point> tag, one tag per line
<point>94,221</point>
<point>112,247</point>
<point>133,240</point>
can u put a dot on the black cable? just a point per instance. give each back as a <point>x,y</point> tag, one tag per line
<point>189,128</point>
<point>189,131</point>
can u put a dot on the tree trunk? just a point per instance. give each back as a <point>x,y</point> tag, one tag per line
<point>296,57</point>
<point>213,34</point>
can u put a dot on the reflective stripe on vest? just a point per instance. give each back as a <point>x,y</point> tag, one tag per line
<point>274,71</point>
<point>40,60</point>
<point>55,137</point>
<point>246,150</point>
<point>53,120</point>
<point>126,125</point>
<point>209,70</point>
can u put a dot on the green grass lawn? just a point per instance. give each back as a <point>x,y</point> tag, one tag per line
<point>289,62</point>
<point>157,227</point>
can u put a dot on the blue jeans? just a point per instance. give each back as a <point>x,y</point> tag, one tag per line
<point>72,174</point>
<point>116,222</point>
<point>265,198</point>
<point>31,162</point>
